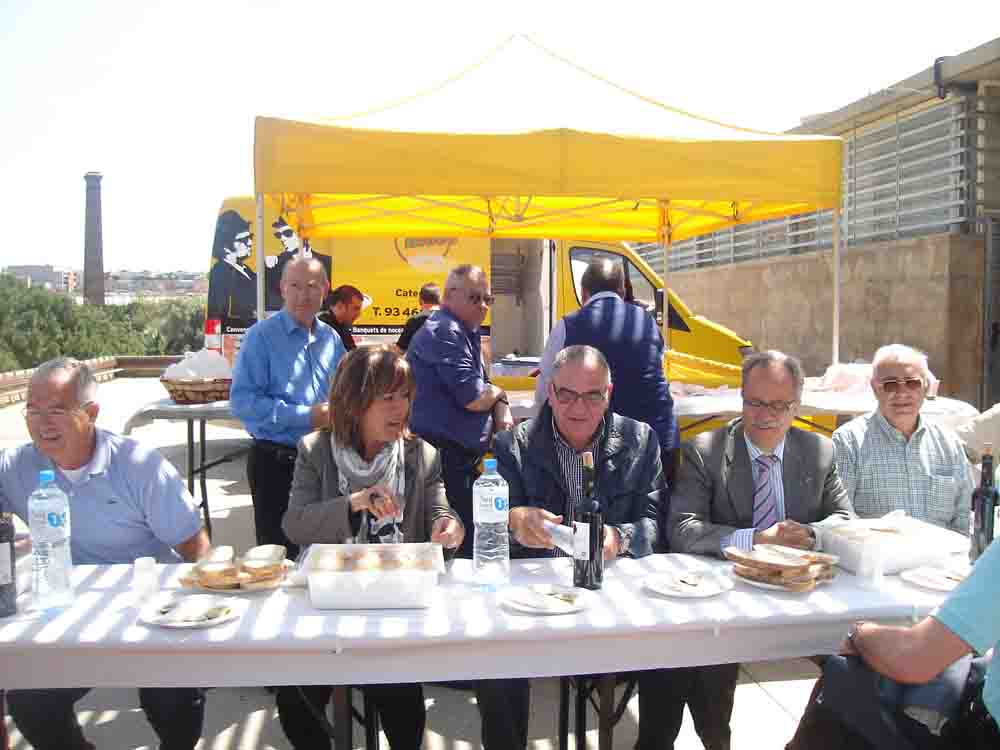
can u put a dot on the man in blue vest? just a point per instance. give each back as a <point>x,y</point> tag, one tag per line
<point>629,339</point>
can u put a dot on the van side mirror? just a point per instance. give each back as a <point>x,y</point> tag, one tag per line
<point>658,296</point>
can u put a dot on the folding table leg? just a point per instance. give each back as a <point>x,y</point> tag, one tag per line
<point>342,719</point>
<point>582,689</point>
<point>564,713</point>
<point>204,484</point>
<point>190,424</point>
<point>605,722</point>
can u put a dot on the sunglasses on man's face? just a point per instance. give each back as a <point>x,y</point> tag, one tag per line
<point>481,299</point>
<point>895,385</point>
<point>244,238</point>
<point>285,233</point>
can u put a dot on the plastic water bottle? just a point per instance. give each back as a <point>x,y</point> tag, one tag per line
<point>491,544</point>
<point>51,563</point>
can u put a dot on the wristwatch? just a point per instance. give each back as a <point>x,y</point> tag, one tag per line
<point>852,636</point>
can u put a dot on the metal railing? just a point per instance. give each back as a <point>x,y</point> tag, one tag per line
<point>920,174</point>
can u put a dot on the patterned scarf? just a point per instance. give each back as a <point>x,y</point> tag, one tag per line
<point>354,473</point>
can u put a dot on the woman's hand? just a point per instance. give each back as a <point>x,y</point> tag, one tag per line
<point>378,500</point>
<point>448,532</point>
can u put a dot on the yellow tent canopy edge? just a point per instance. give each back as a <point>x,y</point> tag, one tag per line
<point>550,183</point>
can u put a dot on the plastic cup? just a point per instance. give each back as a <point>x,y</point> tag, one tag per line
<point>871,569</point>
<point>145,578</point>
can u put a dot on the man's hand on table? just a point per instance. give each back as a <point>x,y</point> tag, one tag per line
<point>527,525</point>
<point>448,532</point>
<point>788,533</point>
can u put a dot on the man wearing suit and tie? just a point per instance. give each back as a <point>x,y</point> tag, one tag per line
<point>757,480</point>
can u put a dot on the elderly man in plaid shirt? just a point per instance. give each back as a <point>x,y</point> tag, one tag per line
<point>893,458</point>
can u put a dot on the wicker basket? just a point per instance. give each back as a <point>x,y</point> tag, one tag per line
<point>198,390</point>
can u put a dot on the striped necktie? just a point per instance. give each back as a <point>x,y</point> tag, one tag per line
<point>765,506</point>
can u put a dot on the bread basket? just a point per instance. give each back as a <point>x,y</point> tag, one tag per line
<point>198,390</point>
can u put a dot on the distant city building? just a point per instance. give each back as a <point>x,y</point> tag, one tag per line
<point>49,277</point>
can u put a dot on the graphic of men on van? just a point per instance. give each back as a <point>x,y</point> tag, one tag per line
<point>292,246</point>
<point>232,285</point>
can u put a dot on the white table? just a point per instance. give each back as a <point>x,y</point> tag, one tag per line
<point>281,639</point>
<point>215,411</point>
<point>97,641</point>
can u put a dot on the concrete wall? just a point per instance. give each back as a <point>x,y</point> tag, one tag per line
<point>925,292</point>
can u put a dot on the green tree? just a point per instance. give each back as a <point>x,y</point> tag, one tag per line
<point>37,324</point>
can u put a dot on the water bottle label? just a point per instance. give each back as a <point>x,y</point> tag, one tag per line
<point>5,564</point>
<point>490,507</point>
<point>56,520</point>
<point>581,541</point>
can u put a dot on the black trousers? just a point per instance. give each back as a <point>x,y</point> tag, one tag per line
<point>47,718</point>
<point>270,468</point>
<point>400,710</point>
<point>709,693</point>
<point>459,469</point>
<point>504,707</point>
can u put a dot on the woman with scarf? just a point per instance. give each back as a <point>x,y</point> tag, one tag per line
<point>366,479</point>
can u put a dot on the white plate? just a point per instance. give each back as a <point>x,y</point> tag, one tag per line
<point>538,599</point>
<point>768,586</point>
<point>672,584</point>
<point>155,615</point>
<point>936,579</point>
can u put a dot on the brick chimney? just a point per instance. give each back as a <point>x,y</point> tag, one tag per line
<point>93,243</point>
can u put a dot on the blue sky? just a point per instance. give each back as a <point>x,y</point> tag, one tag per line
<point>161,96</point>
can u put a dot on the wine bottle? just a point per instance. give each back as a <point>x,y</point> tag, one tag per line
<point>984,503</point>
<point>588,534</point>
<point>8,571</point>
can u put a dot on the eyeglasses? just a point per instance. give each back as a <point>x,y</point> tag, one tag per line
<point>481,299</point>
<point>568,397</point>
<point>244,238</point>
<point>777,408</point>
<point>893,385</point>
<point>288,232</point>
<point>31,412</point>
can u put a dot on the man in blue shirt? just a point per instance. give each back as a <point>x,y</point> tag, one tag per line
<point>456,408</point>
<point>968,621</point>
<point>280,391</point>
<point>126,501</point>
<point>629,339</point>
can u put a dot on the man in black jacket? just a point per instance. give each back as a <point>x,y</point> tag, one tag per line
<point>541,459</point>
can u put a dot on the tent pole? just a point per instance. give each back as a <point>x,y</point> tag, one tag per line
<point>665,237</point>
<point>836,285</point>
<point>258,248</point>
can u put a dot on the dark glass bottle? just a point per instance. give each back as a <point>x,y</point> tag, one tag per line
<point>588,536</point>
<point>984,503</point>
<point>8,574</point>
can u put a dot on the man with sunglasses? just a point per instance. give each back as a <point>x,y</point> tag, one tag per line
<point>292,246</point>
<point>456,408</point>
<point>232,284</point>
<point>757,480</point>
<point>893,458</point>
<point>126,501</point>
<point>541,459</point>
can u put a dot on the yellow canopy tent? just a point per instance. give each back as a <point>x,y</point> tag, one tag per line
<point>524,143</point>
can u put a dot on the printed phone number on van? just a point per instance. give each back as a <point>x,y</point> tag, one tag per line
<point>393,312</point>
